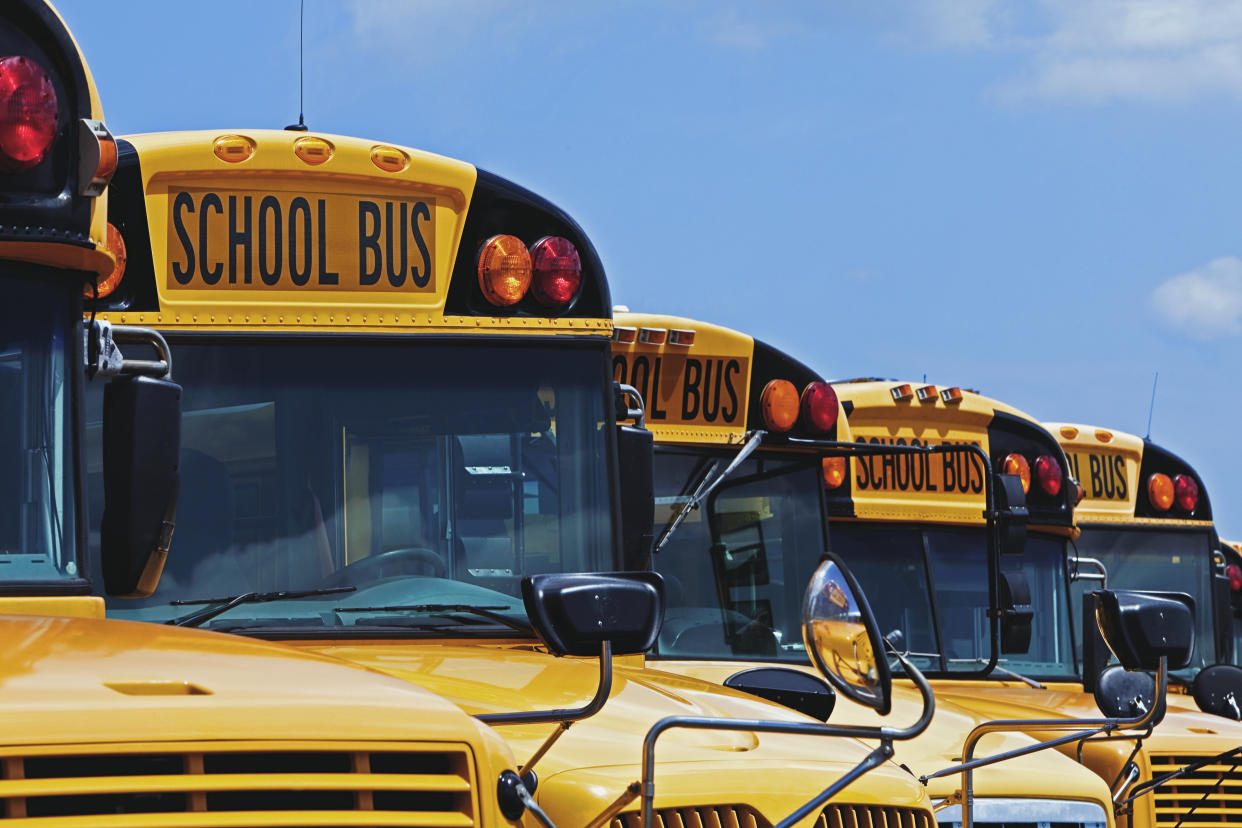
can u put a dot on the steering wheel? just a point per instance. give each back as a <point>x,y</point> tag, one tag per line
<point>410,560</point>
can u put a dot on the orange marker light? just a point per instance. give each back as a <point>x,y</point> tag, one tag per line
<point>233,148</point>
<point>652,336</point>
<point>313,150</point>
<point>116,244</point>
<point>680,336</point>
<point>901,393</point>
<point>927,393</point>
<point>1016,464</point>
<point>1160,491</point>
<point>624,336</point>
<point>834,472</point>
<point>389,159</point>
<point>504,270</point>
<point>951,396</point>
<point>780,403</point>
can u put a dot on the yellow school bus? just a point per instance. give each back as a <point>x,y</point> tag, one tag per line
<point>113,723</point>
<point>734,561</point>
<point>398,406</point>
<point>1004,645</point>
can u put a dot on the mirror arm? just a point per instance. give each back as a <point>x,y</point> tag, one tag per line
<point>1100,574</point>
<point>565,718</point>
<point>1092,727</point>
<point>929,703</point>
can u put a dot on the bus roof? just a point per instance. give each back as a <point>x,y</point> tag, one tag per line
<point>287,230</point>
<point>1114,469</point>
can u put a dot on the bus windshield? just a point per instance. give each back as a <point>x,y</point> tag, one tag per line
<point>389,478</point>
<point>735,570</point>
<point>933,580</point>
<point>37,525</point>
<point>1161,559</point>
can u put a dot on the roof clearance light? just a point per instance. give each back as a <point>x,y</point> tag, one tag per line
<point>819,407</point>
<point>652,336</point>
<point>951,396</point>
<point>1048,474</point>
<point>1016,464</point>
<point>927,393</point>
<point>1160,492</point>
<point>557,271</point>
<point>233,148</point>
<point>1069,432</point>
<point>28,114</point>
<point>313,150</point>
<point>1185,492</point>
<point>901,393</point>
<point>1104,436</point>
<point>624,336</point>
<point>834,474</point>
<point>504,270</point>
<point>1235,576</point>
<point>116,244</point>
<point>680,336</point>
<point>779,402</point>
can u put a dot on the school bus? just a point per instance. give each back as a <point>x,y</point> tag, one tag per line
<point>112,723</point>
<point>1005,645</point>
<point>398,405</point>
<point>734,561</point>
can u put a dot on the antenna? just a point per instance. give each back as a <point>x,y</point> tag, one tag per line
<point>300,126</point>
<point>1153,404</point>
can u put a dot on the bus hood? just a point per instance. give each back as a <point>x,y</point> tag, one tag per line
<point>500,678</point>
<point>119,681</point>
<point>1044,774</point>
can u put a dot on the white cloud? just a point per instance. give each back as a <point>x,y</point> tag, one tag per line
<point>1091,51</point>
<point>1205,302</point>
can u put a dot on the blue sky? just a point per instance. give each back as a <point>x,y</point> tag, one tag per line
<point>1037,198</point>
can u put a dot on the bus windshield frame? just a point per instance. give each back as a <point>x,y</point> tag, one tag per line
<point>407,482</point>
<point>40,392</point>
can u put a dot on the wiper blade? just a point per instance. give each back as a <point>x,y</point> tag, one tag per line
<point>996,668</point>
<point>487,612</point>
<point>228,603</point>
<point>706,485</point>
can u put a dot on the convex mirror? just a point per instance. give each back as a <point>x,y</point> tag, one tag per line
<point>1141,627</point>
<point>842,636</point>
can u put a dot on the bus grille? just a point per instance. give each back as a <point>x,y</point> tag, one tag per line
<point>1213,791</point>
<point>872,816</point>
<point>431,787</point>
<point>703,816</point>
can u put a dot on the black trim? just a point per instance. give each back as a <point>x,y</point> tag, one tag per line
<point>1158,459</point>
<point>1009,433</point>
<point>127,210</point>
<point>501,207</point>
<point>41,589</point>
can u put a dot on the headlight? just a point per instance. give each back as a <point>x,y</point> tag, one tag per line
<point>1033,812</point>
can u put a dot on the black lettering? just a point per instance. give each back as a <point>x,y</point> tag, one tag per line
<point>690,389</point>
<point>299,277</point>
<point>1097,481</point>
<point>368,242</point>
<point>618,369</point>
<point>421,276</point>
<point>729,412</point>
<point>949,473</point>
<point>183,274</point>
<point>239,238</point>
<point>863,470</point>
<point>711,402</point>
<point>1123,485</point>
<point>270,277</point>
<point>901,464</point>
<point>641,365</point>
<point>210,275</point>
<point>396,272</point>
<point>976,467</point>
<point>887,463</point>
<point>654,400</point>
<point>326,277</point>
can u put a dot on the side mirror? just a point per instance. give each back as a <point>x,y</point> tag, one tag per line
<point>575,614</point>
<point>141,450</point>
<point>1218,690</point>
<point>1015,612</point>
<point>792,688</point>
<point>841,634</point>
<point>1011,507</point>
<point>1121,694</point>
<point>1142,627</point>
<point>637,473</point>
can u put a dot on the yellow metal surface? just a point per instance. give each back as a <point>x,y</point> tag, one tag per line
<point>72,606</point>
<point>1106,462</point>
<point>697,393</point>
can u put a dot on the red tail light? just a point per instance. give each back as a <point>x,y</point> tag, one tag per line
<point>819,407</point>
<point>557,271</point>
<point>1185,492</point>
<point>1016,464</point>
<point>1048,474</point>
<point>28,114</point>
<point>1235,576</point>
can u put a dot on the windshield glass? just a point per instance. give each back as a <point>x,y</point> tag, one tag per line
<point>735,570</point>
<point>395,473</point>
<point>37,527</point>
<point>1152,558</point>
<point>928,588</point>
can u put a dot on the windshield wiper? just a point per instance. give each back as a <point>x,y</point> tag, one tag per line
<point>706,485</point>
<point>447,609</point>
<point>996,668</point>
<point>226,604</point>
